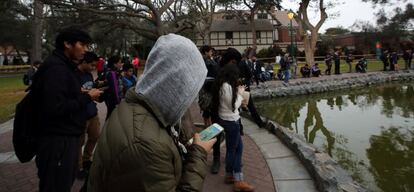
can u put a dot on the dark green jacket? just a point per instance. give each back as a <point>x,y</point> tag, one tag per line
<point>135,153</point>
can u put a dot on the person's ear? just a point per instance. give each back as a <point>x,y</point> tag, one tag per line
<point>67,45</point>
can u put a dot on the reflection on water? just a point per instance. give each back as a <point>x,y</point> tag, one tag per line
<point>368,131</point>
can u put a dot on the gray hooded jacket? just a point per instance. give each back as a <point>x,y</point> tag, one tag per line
<point>135,152</point>
<point>173,76</point>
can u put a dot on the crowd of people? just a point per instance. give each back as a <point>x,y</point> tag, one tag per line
<point>143,145</point>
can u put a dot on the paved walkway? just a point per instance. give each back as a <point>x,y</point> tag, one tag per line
<point>267,164</point>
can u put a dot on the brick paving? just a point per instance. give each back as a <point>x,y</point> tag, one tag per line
<point>17,177</point>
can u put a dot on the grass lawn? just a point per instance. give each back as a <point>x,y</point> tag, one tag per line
<point>11,92</point>
<point>373,65</point>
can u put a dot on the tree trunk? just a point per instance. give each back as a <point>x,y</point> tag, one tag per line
<point>207,37</point>
<point>309,51</point>
<point>37,31</point>
<point>253,26</point>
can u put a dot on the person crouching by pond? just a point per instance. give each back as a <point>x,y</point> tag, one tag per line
<point>128,79</point>
<point>113,89</point>
<point>305,71</point>
<point>316,72</point>
<point>140,149</point>
<point>227,100</point>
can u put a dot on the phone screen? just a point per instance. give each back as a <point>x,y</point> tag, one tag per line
<point>209,133</point>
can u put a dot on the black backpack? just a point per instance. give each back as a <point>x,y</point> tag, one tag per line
<point>25,127</point>
<point>26,79</point>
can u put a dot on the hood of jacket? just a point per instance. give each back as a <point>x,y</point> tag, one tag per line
<point>173,75</point>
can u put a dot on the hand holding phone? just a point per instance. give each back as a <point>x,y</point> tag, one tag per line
<point>94,93</point>
<point>206,145</point>
<point>209,133</point>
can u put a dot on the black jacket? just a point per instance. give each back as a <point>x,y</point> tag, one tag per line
<point>63,106</point>
<point>245,72</point>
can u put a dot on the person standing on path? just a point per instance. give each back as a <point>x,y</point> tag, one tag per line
<point>337,60</point>
<point>328,62</point>
<point>407,56</point>
<point>394,61</point>
<point>142,148</point>
<point>227,100</point>
<point>285,66</point>
<point>28,76</point>
<point>385,59</point>
<point>206,94</point>
<point>62,115</point>
<point>257,69</point>
<point>113,91</point>
<point>212,69</point>
<point>84,73</point>
<point>349,61</point>
<point>128,79</point>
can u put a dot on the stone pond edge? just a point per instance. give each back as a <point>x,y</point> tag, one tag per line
<point>328,175</point>
<point>326,85</point>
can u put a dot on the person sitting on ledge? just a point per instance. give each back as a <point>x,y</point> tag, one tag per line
<point>316,72</point>
<point>305,71</point>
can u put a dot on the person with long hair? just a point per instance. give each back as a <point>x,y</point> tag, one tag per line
<point>113,91</point>
<point>227,100</point>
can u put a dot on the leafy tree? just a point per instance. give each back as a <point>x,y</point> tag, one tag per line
<point>395,26</point>
<point>336,31</point>
<point>15,26</point>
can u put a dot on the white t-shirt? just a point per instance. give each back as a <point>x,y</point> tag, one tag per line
<point>225,108</point>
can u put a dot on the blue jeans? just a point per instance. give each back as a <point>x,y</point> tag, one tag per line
<point>234,146</point>
<point>286,73</point>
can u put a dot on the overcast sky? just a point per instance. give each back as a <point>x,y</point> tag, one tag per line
<point>349,12</point>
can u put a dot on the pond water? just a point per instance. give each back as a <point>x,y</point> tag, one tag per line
<point>369,132</point>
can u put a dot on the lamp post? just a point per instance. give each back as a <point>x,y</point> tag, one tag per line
<point>290,16</point>
<point>292,52</point>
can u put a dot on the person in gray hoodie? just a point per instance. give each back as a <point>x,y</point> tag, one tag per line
<point>140,148</point>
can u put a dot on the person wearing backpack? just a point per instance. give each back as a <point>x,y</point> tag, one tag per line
<point>28,76</point>
<point>62,108</point>
<point>113,94</point>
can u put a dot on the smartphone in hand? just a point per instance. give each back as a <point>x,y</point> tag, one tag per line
<point>209,133</point>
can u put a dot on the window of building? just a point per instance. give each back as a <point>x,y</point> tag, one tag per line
<point>258,36</point>
<point>229,35</point>
<point>262,15</point>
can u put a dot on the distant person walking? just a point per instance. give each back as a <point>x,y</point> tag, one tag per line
<point>337,61</point>
<point>328,62</point>
<point>285,66</point>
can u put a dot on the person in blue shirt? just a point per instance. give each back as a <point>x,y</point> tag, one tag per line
<point>128,79</point>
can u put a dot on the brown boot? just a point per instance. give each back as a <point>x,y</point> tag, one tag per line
<point>229,180</point>
<point>242,186</point>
